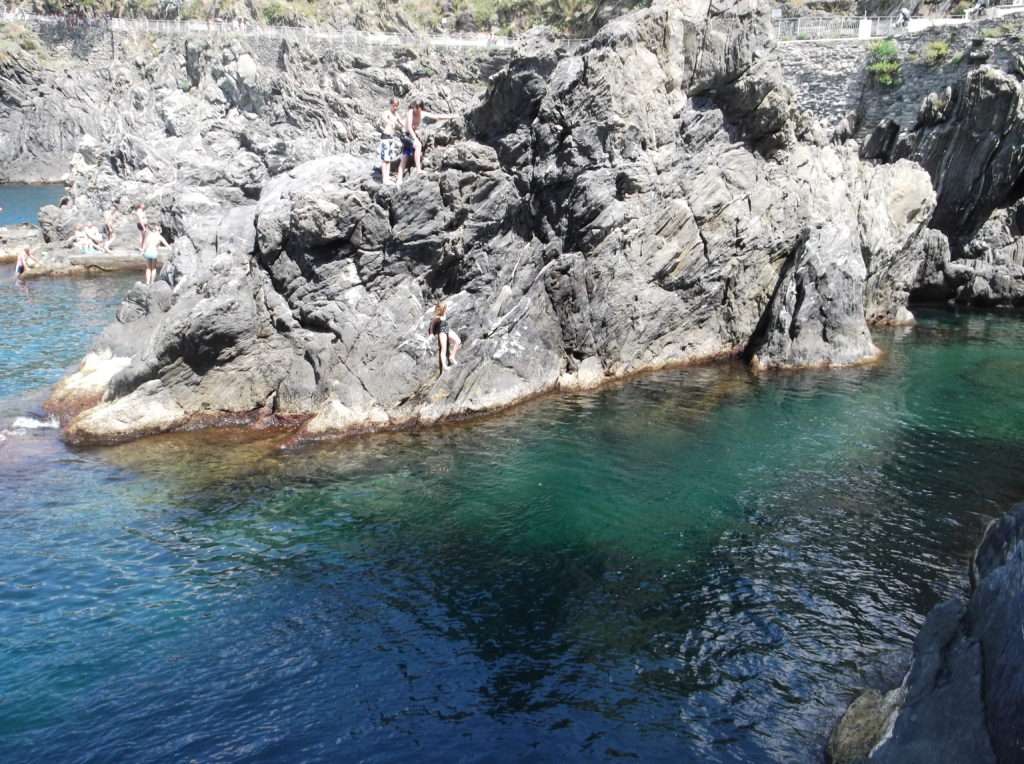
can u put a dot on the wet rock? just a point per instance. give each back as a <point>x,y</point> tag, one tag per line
<point>868,720</point>
<point>963,697</point>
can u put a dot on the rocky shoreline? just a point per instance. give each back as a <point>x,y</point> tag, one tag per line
<point>962,698</point>
<point>652,199</point>
<point>579,230</point>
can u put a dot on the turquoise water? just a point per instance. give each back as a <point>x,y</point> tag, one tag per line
<point>21,203</point>
<point>47,326</point>
<point>702,565</point>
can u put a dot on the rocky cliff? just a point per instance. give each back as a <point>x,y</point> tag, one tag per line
<point>652,199</point>
<point>963,697</point>
<point>960,119</point>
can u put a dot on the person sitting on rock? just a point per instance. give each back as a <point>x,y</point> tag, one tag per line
<point>83,241</point>
<point>150,243</point>
<point>92,233</point>
<point>412,141</point>
<point>448,342</point>
<point>390,147</point>
<point>22,265</point>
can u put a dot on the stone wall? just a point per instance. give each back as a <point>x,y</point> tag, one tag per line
<point>99,44</point>
<point>830,77</point>
<point>827,76</point>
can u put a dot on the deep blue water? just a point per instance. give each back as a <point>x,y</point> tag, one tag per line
<point>21,203</point>
<point>702,565</point>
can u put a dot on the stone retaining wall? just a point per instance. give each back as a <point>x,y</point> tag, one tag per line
<point>830,78</point>
<point>100,44</point>
<point>827,76</point>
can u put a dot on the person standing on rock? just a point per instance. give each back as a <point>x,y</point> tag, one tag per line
<point>22,265</point>
<point>390,147</point>
<point>108,229</point>
<point>141,223</point>
<point>448,342</point>
<point>150,244</point>
<point>412,142</point>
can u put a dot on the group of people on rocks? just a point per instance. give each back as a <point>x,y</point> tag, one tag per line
<point>89,239</point>
<point>401,138</point>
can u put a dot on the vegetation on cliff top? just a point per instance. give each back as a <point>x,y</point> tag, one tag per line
<point>884,63</point>
<point>579,16</point>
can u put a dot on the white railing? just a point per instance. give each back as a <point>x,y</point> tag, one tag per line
<point>298,34</point>
<point>852,27</point>
<point>816,27</point>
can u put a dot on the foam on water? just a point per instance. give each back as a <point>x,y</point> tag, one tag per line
<point>32,423</point>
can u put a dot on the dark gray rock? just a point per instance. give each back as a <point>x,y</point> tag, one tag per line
<point>963,698</point>
<point>586,222</point>
<point>881,141</point>
<point>972,153</point>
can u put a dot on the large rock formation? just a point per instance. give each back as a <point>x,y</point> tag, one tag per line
<point>653,199</point>
<point>963,698</point>
<point>968,137</point>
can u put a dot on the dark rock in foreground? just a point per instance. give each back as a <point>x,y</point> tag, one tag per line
<point>963,698</point>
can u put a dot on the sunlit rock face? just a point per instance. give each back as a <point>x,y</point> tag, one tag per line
<point>651,199</point>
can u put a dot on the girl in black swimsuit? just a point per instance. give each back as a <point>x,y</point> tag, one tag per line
<point>446,338</point>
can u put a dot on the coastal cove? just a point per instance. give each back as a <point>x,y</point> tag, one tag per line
<point>556,400</point>
<point>703,564</point>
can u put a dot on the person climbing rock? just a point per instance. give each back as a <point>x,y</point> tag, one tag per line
<point>390,148</point>
<point>412,141</point>
<point>152,240</point>
<point>448,342</point>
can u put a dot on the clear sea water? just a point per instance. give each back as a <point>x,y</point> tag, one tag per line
<point>698,566</point>
<point>21,203</point>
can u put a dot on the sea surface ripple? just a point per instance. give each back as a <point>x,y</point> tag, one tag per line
<point>701,565</point>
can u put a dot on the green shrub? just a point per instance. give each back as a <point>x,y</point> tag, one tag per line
<point>999,31</point>
<point>935,52</point>
<point>193,9</point>
<point>276,13</point>
<point>884,63</point>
